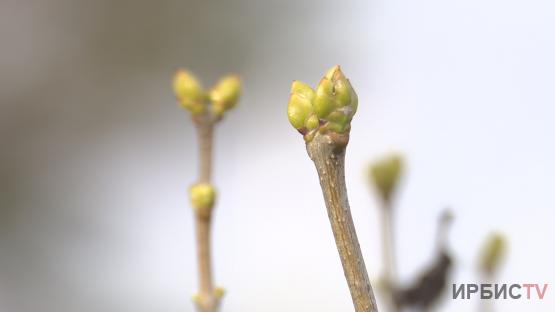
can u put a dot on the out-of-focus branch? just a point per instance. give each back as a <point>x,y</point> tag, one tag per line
<point>385,175</point>
<point>492,255</point>
<point>206,108</point>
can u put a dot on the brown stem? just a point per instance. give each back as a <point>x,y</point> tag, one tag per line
<point>388,254</point>
<point>206,285</point>
<point>205,132</point>
<point>208,300</point>
<point>327,151</point>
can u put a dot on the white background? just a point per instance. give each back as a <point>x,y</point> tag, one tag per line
<point>96,157</point>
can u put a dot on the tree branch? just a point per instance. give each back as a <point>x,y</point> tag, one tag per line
<point>208,298</point>
<point>327,151</point>
<point>206,107</point>
<point>388,254</point>
<point>205,133</point>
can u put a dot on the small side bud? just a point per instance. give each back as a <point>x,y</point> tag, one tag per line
<point>299,109</point>
<point>302,89</point>
<point>188,91</point>
<point>493,253</point>
<point>203,196</point>
<point>312,122</point>
<point>196,298</point>
<point>385,174</point>
<point>225,94</point>
<point>219,292</point>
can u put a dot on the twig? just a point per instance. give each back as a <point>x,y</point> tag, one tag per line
<point>205,134</point>
<point>385,175</point>
<point>323,117</point>
<point>206,108</point>
<point>388,254</point>
<point>329,159</point>
<point>492,256</point>
<point>207,299</point>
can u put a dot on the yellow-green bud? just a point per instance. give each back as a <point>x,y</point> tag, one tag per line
<point>323,103</point>
<point>493,252</point>
<point>303,90</point>
<point>328,108</point>
<point>202,299</point>
<point>385,175</point>
<point>202,196</point>
<point>300,104</point>
<point>196,298</point>
<point>335,97</point>
<point>219,292</point>
<point>188,91</point>
<point>225,94</point>
<point>312,122</point>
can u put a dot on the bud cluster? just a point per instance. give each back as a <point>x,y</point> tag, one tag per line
<point>329,108</point>
<point>216,101</point>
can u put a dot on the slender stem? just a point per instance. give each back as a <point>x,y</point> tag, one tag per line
<point>206,285</point>
<point>388,243</point>
<point>205,132</point>
<point>388,254</point>
<point>328,154</point>
<point>208,301</point>
<point>487,305</point>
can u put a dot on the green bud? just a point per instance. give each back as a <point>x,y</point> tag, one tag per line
<point>324,103</point>
<point>225,94</point>
<point>337,122</point>
<point>302,89</point>
<point>313,122</point>
<point>343,92</point>
<point>332,71</point>
<point>201,300</point>
<point>196,108</point>
<point>344,100</point>
<point>493,252</point>
<point>299,108</point>
<point>219,292</point>
<point>202,196</point>
<point>218,108</point>
<point>325,88</point>
<point>197,299</point>
<point>188,91</point>
<point>385,175</point>
<point>329,108</point>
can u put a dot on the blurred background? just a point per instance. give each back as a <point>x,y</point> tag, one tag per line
<point>96,157</point>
